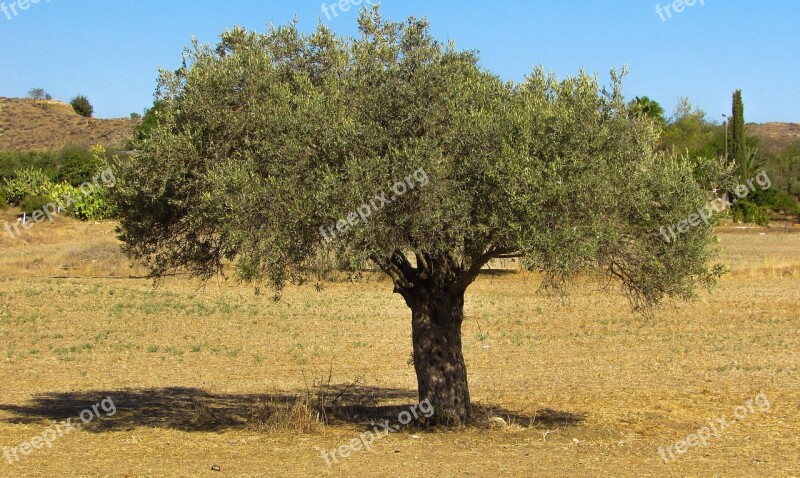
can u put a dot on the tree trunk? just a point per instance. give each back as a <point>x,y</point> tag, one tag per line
<point>436,317</point>
<point>434,291</point>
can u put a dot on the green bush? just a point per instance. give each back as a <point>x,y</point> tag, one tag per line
<point>78,167</point>
<point>26,182</point>
<point>50,162</point>
<point>787,204</point>
<point>34,203</point>
<point>82,106</point>
<point>86,207</point>
<point>12,161</point>
<point>94,206</point>
<point>784,168</point>
<point>3,200</point>
<point>775,200</point>
<point>750,213</point>
<point>152,118</point>
<point>61,193</point>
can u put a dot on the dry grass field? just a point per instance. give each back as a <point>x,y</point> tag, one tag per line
<point>203,377</point>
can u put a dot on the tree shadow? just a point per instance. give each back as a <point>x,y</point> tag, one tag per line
<point>192,409</point>
<point>545,418</point>
<point>498,272</point>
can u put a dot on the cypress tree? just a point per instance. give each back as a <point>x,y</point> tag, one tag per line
<point>736,138</point>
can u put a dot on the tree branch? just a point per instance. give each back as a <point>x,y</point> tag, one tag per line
<point>404,266</point>
<point>393,268</point>
<point>477,264</point>
<point>423,265</point>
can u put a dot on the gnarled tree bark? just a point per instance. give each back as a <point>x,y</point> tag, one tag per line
<point>436,318</point>
<point>434,291</point>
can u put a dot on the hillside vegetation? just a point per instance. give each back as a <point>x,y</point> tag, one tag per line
<point>28,125</point>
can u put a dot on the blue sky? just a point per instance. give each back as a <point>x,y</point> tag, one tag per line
<point>111,50</point>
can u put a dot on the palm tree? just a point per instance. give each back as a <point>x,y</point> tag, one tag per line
<point>751,164</point>
<point>644,106</point>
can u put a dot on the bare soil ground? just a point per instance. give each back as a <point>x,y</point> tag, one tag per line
<point>586,387</point>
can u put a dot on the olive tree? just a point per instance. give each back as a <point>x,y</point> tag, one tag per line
<point>38,94</point>
<point>265,139</point>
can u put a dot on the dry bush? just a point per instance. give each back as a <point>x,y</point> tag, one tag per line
<point>297,417</point>
<point>313,410</point>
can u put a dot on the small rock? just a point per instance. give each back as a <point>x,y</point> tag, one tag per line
<point>216,468</point>
<point>497,422</point>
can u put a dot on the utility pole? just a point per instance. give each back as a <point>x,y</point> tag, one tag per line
<point>726,136</point>
<point>727,195</point>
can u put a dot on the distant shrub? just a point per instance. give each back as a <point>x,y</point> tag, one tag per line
<point>776,200</point>
<point>78,167</point>
<point>74,174</point>
<point>50,162</point>
<point>750,213</point>
<point>34,203</point>
<point>86,207</point>
<point>12,161</point>
<point>152,118</point>
<point>93,207</point>
<point>82,106</point>
<point>786,203</point>
<point>3,200</point>
<point>60,193</point>
<point>26,182</point>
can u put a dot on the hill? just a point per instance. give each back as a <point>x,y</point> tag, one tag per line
<point>775,136</point>
<point>26,125</point>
